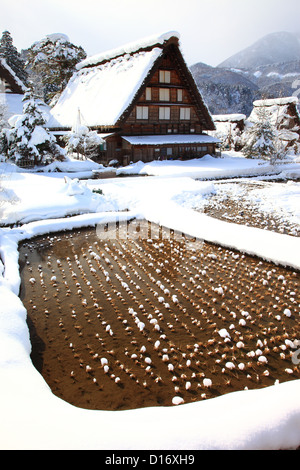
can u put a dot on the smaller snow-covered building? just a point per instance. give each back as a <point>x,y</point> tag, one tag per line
<point>142,100</point>
<point>229,129</point>
<point>284,116</point>
<point>12,90</point>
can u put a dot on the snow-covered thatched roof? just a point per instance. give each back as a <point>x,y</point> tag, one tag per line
<point>105,85</point>
<point>280,110</point>
<point>229,117</point>
<point>276,101</point>
<point>129,48</point>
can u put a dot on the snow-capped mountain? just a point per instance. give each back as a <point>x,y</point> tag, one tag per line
<point>271,49</point>
<point>270,68</point>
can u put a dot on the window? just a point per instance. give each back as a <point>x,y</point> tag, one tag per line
<point>148,94</point>
<point>164,113</point>
<point>165,76</point>
<point>142,112</point>
<point>185,114</point>
<point>164,94</point>
<point>179,95</point>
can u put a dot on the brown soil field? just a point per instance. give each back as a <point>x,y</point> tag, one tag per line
<point>242,211</point>
<point>125,323</point>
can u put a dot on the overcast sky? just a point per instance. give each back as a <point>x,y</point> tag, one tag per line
<point>210,30</point>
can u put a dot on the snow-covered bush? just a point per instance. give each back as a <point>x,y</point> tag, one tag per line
<point>28,140</point>
<point>83,142</point>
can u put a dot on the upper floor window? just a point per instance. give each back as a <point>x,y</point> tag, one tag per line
<point>148,94</point>
<point>185,114</point>
<point>179,95</point>
<point>164,113</point>
<point>165,76</point>
<point>142,112</point>
<point>164,94</point>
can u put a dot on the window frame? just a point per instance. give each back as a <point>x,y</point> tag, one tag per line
<point>148,94</point>
<point>179,95</point>
<point>165,76</point>
<point>142,113</point>
<point>166,111</point>
<point>185,114</point>
<point>164,94</point>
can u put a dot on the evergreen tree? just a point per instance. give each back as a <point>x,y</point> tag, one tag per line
<point>29,140</point>
<point>10,53</point>
<point>263,140</point>
<point>260,138</point>
<point>52,61</point>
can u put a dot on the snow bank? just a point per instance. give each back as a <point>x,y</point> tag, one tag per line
<point>72,166</point>
<point>47,197</point>
<point>239,421</point>
<point>280,249</point>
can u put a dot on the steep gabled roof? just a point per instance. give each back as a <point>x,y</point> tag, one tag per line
<point>12,90</point>
<point>105,86</point>
<point>6,73</point>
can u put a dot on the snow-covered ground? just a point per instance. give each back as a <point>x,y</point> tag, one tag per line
<point>31,416</point>
<point>233,164</point>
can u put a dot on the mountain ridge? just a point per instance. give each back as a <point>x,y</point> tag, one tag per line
<point>273,48</point>
<point>271,69</point>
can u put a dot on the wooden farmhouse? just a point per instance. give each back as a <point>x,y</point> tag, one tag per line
<point>12,90</point>
<point>142,100</point>
<point>283,114</point>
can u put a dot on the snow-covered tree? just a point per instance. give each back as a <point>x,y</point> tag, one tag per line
<point>262,139</point>
<point>13,58</point>
<point>81,141</point>
<point>51,62</point>
<point>29,140</point>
